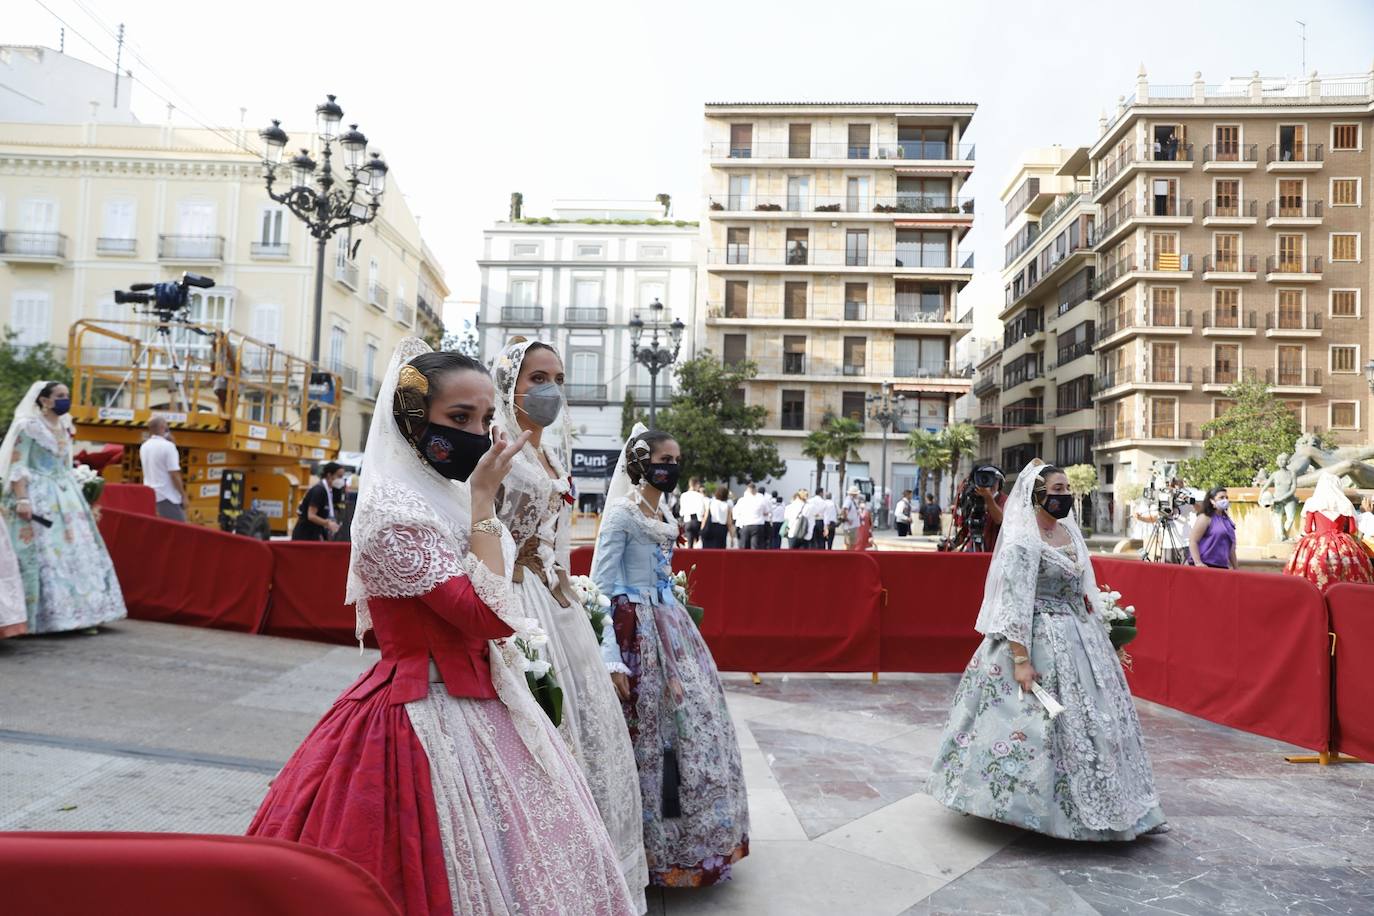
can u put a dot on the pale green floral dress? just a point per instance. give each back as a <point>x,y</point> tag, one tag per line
<point>69,581</point>
<point>1082,776</point>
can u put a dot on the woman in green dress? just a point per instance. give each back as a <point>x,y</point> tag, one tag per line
<point>69,581</point>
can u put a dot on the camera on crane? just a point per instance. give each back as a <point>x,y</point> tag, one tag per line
<point>168,301</point>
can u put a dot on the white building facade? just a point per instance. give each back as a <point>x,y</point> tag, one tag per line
<point>575,280</point>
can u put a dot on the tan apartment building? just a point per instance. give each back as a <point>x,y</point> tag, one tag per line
<point>1232,242</point>
<point>88,208</point>
<point>1049,314</point>
<point>831,261</point>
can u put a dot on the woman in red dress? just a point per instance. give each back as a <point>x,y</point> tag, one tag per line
<point>436,771</point>
<point>1329,551</point>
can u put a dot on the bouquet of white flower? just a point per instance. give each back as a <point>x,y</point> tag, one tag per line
<point>682,591</point>
<point>530,640</point>
<point>597,605</point>
<point>92,484</point>
<point>1119,620</point>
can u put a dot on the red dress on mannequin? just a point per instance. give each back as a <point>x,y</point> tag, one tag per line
<point>1328,552</point>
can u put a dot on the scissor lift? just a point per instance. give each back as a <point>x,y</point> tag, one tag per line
<point>233,403</point>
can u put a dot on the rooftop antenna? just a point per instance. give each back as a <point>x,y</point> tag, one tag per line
<point>119,55</point>
<point>1303,71</point>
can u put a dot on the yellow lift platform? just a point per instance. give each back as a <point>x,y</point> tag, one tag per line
<point>247,418</point>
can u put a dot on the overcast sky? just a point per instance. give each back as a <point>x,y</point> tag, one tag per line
<point>471,101</point>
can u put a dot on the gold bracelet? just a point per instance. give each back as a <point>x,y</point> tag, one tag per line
<point>1020,659</point>
<point>490,525</point>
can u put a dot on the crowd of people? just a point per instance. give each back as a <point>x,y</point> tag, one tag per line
<point>762,520</point>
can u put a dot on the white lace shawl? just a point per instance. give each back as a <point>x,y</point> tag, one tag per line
<point>410,534</point>
<point>1009,596</point>
<point>28,418</point>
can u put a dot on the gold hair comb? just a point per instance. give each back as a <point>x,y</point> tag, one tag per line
<point>412,379</point>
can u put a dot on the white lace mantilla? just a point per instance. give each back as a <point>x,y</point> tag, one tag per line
<point>624,514</point>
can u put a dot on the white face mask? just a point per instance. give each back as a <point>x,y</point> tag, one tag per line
<point>338,483</point>
<point>1223,504</point>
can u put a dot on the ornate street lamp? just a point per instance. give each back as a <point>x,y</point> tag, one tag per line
<point>885,408</point>
<point>326,201</point>
<point>1369,374</point>
<point>655,355</point>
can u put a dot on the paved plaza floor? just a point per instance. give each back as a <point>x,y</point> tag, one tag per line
<point>163,728</point>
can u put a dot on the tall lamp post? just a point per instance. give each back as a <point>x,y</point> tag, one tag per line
<point>325,201</point>
<point>655,355</point>
<point>885,408</point>
<point>1369,374</point>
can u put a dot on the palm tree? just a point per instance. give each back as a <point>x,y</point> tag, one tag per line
<point>816,445</point>
<point>667,202</point>
<point>929,454</point>
<point>959,440</point>
<point>843,437</point>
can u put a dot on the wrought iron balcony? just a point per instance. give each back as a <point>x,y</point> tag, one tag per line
<point>580,393</point>
<point>190,247</point>
<point>584,315</point>
<point>33,246</point>
<point>522,314</point>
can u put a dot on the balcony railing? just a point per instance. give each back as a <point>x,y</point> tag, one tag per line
<point>1069,354</point>
<point>1292,320</point>
<point>856,311</point>
<point>1227,375</point>
<point>901,257</point>
<point>1167,206</point>
<point>377,295</point>
<point>523,314</point>
<point>784,202</point>
<point>916,313</point>
<point>579,393</point>
<point>1231,152</point>
<point>346,272</point>
<point>1109,170</point>
<point>1230,319</point>
<point>1276,264</point>
<point>986,384</point>
<point>44,245</point>
<point>903,149</point>
<point>907,368</point>
<point>1116,217</point>
<point>1293,378</point>
<point>347,373</point>
<point>1061,203</point>
<point>1230,264</point>
<point>404,312</point>
<point>1156,375</point>
<point>270,249</point>
<point>190,247</point>
<point>1115,270</point>
<point>1295,152</point>
<point>580,314</point>
<point>794,364</point>
<point>855,369</point>
<point>1293,209</point>
<point>116,246</point>
<point>1167,261</point>
<point>1239,209</point>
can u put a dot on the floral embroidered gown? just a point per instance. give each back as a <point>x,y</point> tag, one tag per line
<point>1329,552</point>
<point>691,778</point>
<point>69,581</point>
<point>534,508</point>
<point>1084,775</point>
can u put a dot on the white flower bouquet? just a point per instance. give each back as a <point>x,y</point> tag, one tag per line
<point>1119,620</point>
<point>597,605</point>
<point>682,591</point>
<point>531,639</point>
<point>91,483</point>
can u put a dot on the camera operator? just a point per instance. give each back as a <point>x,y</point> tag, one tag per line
<point>987,486</point>
<point>1173,510</point>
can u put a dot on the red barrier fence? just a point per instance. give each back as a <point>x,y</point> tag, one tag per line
<point>169,874</point>
<point>1352,620</point>
<point>1244,649</point>
<point>129,497</point>
<point>931,605</point>
<point>177,573</point>
<point>308,583</point>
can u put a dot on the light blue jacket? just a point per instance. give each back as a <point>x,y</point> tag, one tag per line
<point>631,561</point>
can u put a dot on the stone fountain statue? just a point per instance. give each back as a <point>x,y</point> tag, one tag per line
<point>1279,491</point>
<point>1352,465</point>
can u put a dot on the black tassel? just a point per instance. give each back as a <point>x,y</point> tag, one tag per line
<point>672,803</point>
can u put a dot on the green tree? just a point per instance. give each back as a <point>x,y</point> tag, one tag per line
<point>929,455</point>
<point>1243,440</point>
<point>959,440</point>
<point>1082,481</point>
<point>717,429</point>
<point>20,367</point>
<point>464,341</point>
<point>630,414</point>
<point>816,446</point>
<point>843,437</point>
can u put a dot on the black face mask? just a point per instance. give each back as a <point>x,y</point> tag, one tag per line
<point>1058,505</point>
<point>454,453</point>
<point>663,477</point>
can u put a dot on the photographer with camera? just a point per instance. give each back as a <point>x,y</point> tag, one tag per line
<point>1171,519</point>
<point>987,487</point>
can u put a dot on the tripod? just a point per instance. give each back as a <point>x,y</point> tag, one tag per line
<point>1164,544</point>
<point>167,346</point>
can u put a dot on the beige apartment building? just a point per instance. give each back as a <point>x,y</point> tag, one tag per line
<point>88,208</point>
<point>1049,315</point>
<point>1232,241</point>
<point>831,261</point>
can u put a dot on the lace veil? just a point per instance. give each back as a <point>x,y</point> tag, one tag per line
<point>27,409</point>
<point>1328,498</point>
<point>1009,595</point>
<point>410,533</point>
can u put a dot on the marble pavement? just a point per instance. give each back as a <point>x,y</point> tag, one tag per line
<point>154,727</point>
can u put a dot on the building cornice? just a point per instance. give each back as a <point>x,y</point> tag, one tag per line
<point>1269,109</point>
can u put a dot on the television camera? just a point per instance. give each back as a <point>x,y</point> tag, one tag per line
<point>970,512</point>
<point>167,301</point>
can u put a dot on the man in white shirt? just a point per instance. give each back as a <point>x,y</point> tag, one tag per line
<point>815,520</point>
<point>831,516</point>
<point>162,470</point>
<point>752,515</point>
<point>901,515</point>
<point>691,508</point>
<point>852,515</point>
